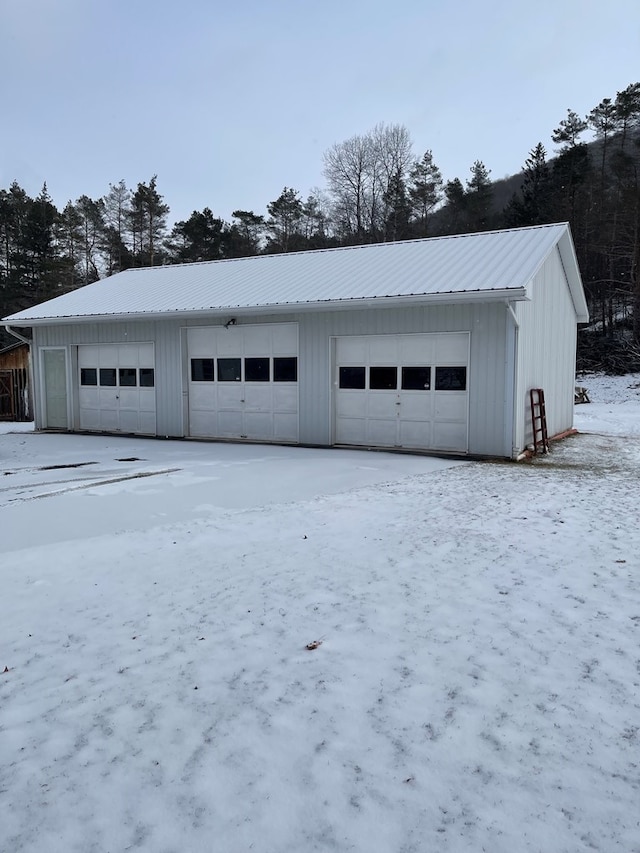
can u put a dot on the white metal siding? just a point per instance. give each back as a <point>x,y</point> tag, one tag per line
<point>546,351</point>
<point>487,381</point>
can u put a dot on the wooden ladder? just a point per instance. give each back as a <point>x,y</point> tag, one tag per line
<point>539,421</point>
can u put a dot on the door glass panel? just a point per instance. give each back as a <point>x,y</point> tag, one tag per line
<point>201,370</point>
<point>352,377</point>
<point>416,378</point>
<point>256,370</point>
<point>451,378</point>
<point>108,376</point>
<point>54,363</point>
<point>229,370</point>
<point>128,378</point>
<point>88,376</point>
<point>285,369</point>
<point>383,378</point>
<point>147,377</point>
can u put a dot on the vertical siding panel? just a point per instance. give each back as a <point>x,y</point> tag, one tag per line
<point>485,322</point>
<point>547,350</point>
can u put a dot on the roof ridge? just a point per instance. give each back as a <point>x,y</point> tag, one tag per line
<point>330,249</point>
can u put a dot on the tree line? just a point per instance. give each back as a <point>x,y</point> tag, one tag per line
<point>377,189</point>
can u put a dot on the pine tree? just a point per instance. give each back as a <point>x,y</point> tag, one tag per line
<point>148,218</point>
<point>425,191</point>
<point>245,235</point>
<point>479,196</point>
<point>532,206</point>
<point>115,243</point>
<point>398,209</point>
<point>202,237</point>
<point>38,246</point>
<point>285,214</point>
<point>571,167</point>
<point>456,207</point>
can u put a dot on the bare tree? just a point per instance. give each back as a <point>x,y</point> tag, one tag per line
<point>359,172</point>
<point>347,168</point>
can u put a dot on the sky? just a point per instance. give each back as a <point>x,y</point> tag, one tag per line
<point>228,103</point>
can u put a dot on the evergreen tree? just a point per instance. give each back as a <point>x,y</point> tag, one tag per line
<point>37,246</point>
<point>532,206</point>
<point>245,235</point>
<point>604,121</point>
<point>202,237</point>
<point>148,219</point>
<point>115,243</point>
<point>571,167</point>
<point>14,208</point>
<point>285,214</point>
<point>398,209</point>
<point>92,225</point>
<point>479,196</point>
<point>627,108</point>
<point>425,191</point>
<point>456,207</point>
<point>70,241</point>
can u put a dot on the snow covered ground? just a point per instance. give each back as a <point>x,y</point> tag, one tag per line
<point>476,686</point>
<point>614,404</point>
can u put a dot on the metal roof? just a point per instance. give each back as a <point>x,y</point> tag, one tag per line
<point>488,265</point>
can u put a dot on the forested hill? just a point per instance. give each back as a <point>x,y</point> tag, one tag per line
<point>377,189</point>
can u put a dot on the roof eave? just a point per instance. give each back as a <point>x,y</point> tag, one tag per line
<point>411,300</point>
<point>569,259</point>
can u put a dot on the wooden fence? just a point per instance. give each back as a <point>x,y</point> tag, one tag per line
<point>15,404</point>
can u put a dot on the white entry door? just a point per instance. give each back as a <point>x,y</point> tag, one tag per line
<point>117,388</point>
<point>402,391</point>
<point>54,371</point>
<point>243,382</point>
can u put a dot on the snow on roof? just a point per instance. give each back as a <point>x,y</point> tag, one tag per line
<point>489,264</point>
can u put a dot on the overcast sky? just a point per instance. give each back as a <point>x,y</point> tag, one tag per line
<point>229,102</point>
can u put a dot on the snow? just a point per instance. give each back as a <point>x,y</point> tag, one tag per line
<point>614,404</point>
<point>9,426</point>
<point>477,683</point>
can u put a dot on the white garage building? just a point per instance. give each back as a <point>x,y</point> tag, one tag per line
<point>425,344</point>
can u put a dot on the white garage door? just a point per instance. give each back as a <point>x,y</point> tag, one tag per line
<point>117,388</point>
<point>243,382</point>
<point>403,391</point>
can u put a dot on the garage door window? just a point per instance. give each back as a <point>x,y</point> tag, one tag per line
<point>383,378</point>
<point>128,377</point>
<point>229,369</point>
<point>202,370</point>
<point>285,369</point>
<point>451,378</point>
<point>88,376</point>
<point>416,378</point>
<point>147,377</point>
<point>256,370</point>
<point>352,377</point>
<point>108,377</point>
